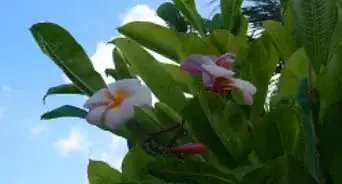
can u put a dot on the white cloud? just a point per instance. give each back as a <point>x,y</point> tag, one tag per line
<point>39,129</point>
<point>142,12</point>
<point>75,142</point>
<point>114,153</point>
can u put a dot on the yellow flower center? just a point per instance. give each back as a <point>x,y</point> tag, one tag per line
<point>118,97</point>
<point>221,83</point>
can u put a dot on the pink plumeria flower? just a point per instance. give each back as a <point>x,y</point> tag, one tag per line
<point>193,64</point>
<point>114,105</point>
<point>216,76</point>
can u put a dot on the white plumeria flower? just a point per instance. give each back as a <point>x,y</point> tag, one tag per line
<point>114,105</point>
<point>216,76</point>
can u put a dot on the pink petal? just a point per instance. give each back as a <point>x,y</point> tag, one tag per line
<point>217,71</point>
<point>207,80</point>
<point>189,148</point>
<point>99,98</point>
<point>193,64</point>
<point>247,88</point>
<point>225,60</point>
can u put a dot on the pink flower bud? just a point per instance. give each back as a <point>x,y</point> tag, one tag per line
<point>189,148</point>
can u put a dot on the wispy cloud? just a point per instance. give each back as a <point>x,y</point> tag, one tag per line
<point>5,88</point>
<point>76,141</point>
<point>39,129</point>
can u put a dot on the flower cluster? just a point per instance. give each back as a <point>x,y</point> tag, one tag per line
<point>216,75</point>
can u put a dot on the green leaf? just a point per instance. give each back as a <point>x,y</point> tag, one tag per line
<point>134,164</point>
<point>171,15</point>
<point>166,115</point>
<point>330,136</point>
<point>294,70</point>
<point>281,38</point>
<point>111,72</point>
<point>62,89</point>
<point>175,170</point>
<point>286,115</point>
<point>216,22</point>
<point>229,123</point>
<point>176,46</point>
<point>68,55</point>
<point>310,156</point>
<point>316,22</point>
<point>202,132</point>
<point>178,75</point>
<point>285,170</point>
<point>142,31</point>
<point>329,81</point>
<point>230,13</point>
<point>100,172</point>
<point>121,68</point>
<point>264,59</point>
<point>163,86</point>
<point>188,9</point>
<point>64,111</point>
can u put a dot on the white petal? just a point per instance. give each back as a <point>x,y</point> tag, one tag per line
<point>217,71</point>
<point>116,117</point>
<point>98,98</point>
<point>142,96</point>
<point>129,85</point>
<point>201,59</point>
<point>94,116</point>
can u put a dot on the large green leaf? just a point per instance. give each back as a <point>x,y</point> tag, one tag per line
<point>153,74</point>
<point>330,80</point>
<point>176,46</point>
<point>64,111</point>
<point>229,123</point>
<point>294,70</point>
<point>202,131</point>
<point>310,156</point>
<point>330,136</point>
<point>111,72</point>
<point>100,172</point>
<point>316,21</point>
<point>134,164</point>
<point>171,15</point>
<point>165,114</point>
<point>189,171</point>
<point>286,115</point>
<point>230,13</point>
<point>188,9</point>
<point>264,59</point>
<point>62,89</point>
<point>63,49</point>
<point>281,38</point>
<point>121,68</point>
<point>168,46</point>
<point>178,75</point>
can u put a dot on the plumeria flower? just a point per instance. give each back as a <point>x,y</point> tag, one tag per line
<point>114,105</point>
<point>191,148</point>
<point>216,76</point>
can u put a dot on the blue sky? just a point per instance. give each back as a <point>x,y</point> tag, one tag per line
<point>57,151</point>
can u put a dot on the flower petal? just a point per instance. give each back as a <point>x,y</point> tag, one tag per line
<point>225,60</point>
<point>129,85</point>
<point>94,116</point>
<point>247,88</point>
<point>189,148</point>
<point>194,62</point>
<point>142,96</point>
<point>116,117</point>
<point>217,71</point>
<point>98,98</point>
